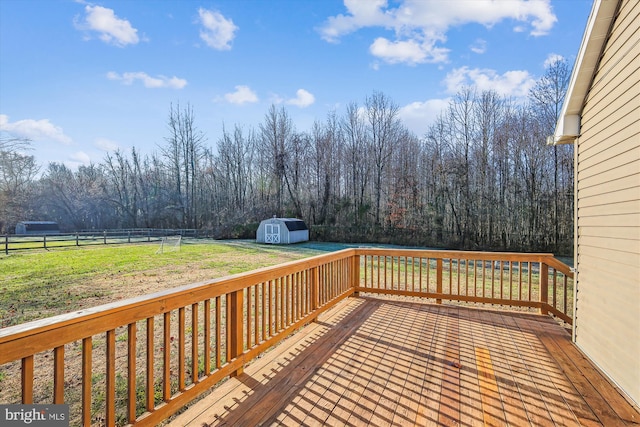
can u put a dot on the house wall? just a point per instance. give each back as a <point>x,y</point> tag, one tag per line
<point>607,322</point>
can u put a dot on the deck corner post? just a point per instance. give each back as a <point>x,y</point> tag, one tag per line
<point>237,325</point>
<point>355,280</point>
<point>439,279</point>
<point>544,287</point>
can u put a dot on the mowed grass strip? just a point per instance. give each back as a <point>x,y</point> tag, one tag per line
<point>39,284</point>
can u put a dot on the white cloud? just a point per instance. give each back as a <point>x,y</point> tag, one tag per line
<point>105,144</point>
<point>408,51</point>
<point>218,31</point>
<point>303,99</point>
<point>35,130</point>
<point>242,95</point>
<point>516,83</point>
<point>110,28</point>
<point>552,58</point>
<point>418,116</point>
<point>479,46</point>
<point>79,158</point>
<point>148,81</point>
<point>420,27</point>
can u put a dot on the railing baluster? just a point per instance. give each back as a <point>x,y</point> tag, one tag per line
<point>519,280</point>
<point>181,342</point>
<point>493,279</point>
<point>265,312</point>
<point>249,315</point>
<point>555,276</point>
<point>501,279</point>
<point>194,343</point>
<point>110,415</point>
<point>439,279</point>
<point>87,370</point>
<point>131,371</point>
<point>150,381</point>
<point>275,305</point>
<point>510,279</point>
<point>565,294</point>
<point>530,281</point>
<point>206,345</point>
<point>166,355</point>
<point>27,380</point>
<point>218,332</point>
<point>58,375</point>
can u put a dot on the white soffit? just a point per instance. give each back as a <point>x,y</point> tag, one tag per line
<point>593,40</point>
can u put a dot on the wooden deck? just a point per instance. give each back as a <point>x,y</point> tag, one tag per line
<point>389,362</point>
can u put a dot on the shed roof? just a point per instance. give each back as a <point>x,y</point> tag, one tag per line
<point>292,224</point>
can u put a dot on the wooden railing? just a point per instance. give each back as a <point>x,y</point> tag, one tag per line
<point>139,361</point>
<point>511,279</point>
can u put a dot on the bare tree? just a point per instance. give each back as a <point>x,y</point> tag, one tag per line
<point>183,151</point>
<point>276,132</point>
<point>17,174</point>
<point>548,96</point>
<point>353,129</point>
<point>384,128</point>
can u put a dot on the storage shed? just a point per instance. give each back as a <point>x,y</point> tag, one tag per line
<point>37,227</point>
<point>282,231</point>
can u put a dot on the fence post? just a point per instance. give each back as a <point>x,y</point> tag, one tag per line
<point>237,325</point>
<point>544,287</point>
<point>6,244</point>
<point>77,239</point>
<point>128,236</point>
<point>439,279</point>
<point>45,241</point>
<point>105,236</point>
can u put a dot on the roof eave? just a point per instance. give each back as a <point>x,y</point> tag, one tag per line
<point>593,40</point>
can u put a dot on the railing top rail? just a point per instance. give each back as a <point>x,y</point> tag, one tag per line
<point>91,321</point>
<point>446,253</point>
<point>547,258</point>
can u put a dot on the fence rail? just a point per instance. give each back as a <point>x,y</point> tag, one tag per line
<point>139,361</point>
<point>15,242</point>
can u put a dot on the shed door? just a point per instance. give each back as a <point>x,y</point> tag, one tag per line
<point>272,233</point>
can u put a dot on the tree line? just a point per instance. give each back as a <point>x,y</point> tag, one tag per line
<point>481,177</point>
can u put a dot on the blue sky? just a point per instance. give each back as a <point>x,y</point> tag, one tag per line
<point>80,78</point>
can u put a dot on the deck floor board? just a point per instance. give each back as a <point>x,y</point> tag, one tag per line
<point>385,362</point>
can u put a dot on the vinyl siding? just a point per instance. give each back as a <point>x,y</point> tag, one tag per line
<point>607,323</point>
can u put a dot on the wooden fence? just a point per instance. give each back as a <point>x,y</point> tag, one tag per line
<point>15,242</point>
<point>139,361</point>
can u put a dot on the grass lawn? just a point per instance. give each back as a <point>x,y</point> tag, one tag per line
<point>41,283</point>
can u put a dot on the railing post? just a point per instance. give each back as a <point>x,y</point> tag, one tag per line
<point>237,325</point>
<point>355,279</point>
<point>544,287</point>
<point>439,279</point>
<point>45,241</point>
